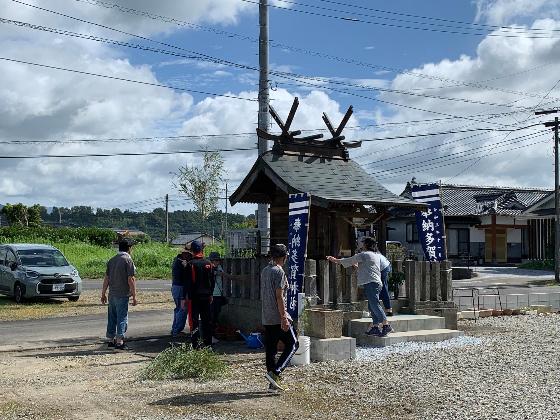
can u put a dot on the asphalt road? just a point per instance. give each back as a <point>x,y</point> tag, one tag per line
<point>74,330</point>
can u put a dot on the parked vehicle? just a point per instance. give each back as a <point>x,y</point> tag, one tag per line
<point>37,271</point>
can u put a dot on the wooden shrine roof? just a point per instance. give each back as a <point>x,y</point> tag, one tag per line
<point>329,180</point>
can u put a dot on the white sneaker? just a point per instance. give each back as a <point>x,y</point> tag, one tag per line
<point>215,340</point>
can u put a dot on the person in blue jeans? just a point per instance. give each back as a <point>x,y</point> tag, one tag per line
<point>179,279</point>
<point>385,266</point>
<point>369,276</point>
<point>121,281</point>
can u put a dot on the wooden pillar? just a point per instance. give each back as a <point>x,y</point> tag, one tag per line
<point>435,286</point>
<point>323,281</point>
<point>493,233</point>
<point>334,273</point>
<point>382,234</point>
<point>445,280</point>
<point>425,281</point>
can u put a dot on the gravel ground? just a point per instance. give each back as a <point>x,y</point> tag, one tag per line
<point>506,368</point>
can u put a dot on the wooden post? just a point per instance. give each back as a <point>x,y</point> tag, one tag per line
<point>412,271</point>
<point>346,285</point>
<point>227,282</point>
<point>338,279</point>
<point>435,286</point>
<point>310,281</point>
<point>333,274</point>
<point>446,280</point>
<point>254,280</point>
<point>493,232</point>
<point>424,281</point>
<point>323,281</point>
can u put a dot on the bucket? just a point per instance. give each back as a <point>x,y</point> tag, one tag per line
<point>302,354</point>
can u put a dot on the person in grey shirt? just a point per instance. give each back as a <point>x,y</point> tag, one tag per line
<point>369,276</point>
<point>121,281</point>
<point>275,318</point>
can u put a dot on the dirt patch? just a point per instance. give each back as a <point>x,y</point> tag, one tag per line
<point>88,304</point>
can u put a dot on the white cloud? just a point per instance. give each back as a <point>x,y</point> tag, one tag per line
<point>515,71</point>
<point>505,12</point>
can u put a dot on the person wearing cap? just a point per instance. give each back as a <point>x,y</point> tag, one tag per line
<point>121,281</point>
<point>275,318</point>
<point>179,280</point>
<point>198,292</point>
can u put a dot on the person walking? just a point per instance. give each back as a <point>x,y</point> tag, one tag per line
<point>275,318</point>
<point>385,266</point>
<point>179,283</point>
<point>369,276</point>
<point>120,279</point>
<point>200,286</point>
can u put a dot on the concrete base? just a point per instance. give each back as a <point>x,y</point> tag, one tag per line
<point>342,348</point>
<point>431,336</point>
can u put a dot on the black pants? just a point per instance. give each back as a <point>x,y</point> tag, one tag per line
<point>217,303</point>
<point>274,334</point>
<point>200,306</point>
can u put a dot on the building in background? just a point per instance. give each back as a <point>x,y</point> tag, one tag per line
<point>482,224</point>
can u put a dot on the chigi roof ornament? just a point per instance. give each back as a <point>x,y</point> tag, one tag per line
<point>287,141</point>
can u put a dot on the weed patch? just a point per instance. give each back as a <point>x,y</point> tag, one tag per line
<point>181,362</point>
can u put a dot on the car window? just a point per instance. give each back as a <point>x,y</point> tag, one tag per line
<point>2,255</point>
<point>42,257</point>
<point>10,258</point>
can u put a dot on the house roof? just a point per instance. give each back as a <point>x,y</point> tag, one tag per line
<point>474,200</point>
<point>327,179</point>
<point>185,238</point>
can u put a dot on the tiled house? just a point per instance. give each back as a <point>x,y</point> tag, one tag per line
<point>485,224</point>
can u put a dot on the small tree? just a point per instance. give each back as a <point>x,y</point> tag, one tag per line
<point>202,183</point>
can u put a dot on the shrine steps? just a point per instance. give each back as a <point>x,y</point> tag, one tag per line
<point>424,328</point>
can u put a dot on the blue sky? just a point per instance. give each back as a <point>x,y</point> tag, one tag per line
<point>451,83</point>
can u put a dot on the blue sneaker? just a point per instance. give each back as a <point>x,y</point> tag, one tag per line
<point>374,331</point>
<point>387,329</point>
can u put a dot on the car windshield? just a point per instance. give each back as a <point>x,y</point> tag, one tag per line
<point>42,257</point>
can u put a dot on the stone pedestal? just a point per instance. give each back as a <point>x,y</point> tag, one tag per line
<point>448,310</point>
<point>325,323</point>
<point>342,348</point>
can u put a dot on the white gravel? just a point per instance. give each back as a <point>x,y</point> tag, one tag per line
<point>372,354</point>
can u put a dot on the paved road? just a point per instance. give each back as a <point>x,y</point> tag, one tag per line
<point>89,284</point>
<point>53,332</point>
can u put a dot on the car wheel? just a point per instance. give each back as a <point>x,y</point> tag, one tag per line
<point>19,293</point>
<point>73,298</point>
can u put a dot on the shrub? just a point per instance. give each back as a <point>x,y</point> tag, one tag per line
<point>181,362</point>
<point>48,234</point>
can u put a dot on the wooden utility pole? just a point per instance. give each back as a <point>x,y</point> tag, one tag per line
<point>263,222</point>
<point>554,125</point>
<point>226,222</point>
<point>166,218</point>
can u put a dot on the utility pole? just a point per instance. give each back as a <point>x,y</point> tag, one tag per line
<point>263,222</point>
<point>225,223</point>
<point>554,125</point>
<point>166,218</point>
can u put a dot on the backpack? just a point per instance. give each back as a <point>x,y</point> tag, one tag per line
<point>202,277</point>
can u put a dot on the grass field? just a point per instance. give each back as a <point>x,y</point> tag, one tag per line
<point>153,260</point>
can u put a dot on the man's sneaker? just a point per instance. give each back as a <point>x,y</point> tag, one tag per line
<point>389,313</point>
<point>374,331</point>
<point>387,329</point>
<point>111,344</point>
<point>122,346</point>
<point>272,389</point>
<point>274,380</point>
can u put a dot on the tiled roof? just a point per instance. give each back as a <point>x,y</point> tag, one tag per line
<point>473,200</point>
<point>326,179</point>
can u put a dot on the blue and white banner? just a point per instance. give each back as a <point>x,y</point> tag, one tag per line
<point>298,223</point>
<point>431,230</point>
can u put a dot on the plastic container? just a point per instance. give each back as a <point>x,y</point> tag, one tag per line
<point>302,355</point>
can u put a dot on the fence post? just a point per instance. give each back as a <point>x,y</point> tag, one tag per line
<point>227,282</point>
<point>412,271</point>
<point>323,281</point>
<point>425,281</point>
<point>446,280</point>
<point>310,281</point>
<point>254,280</point>
<point>435,286</point>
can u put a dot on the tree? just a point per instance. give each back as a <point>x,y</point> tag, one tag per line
<point>21,215</point>
<point>202,183</point>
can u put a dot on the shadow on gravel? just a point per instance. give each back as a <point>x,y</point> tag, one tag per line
<point>211,398</point>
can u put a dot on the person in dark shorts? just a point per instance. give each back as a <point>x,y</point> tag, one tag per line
<point>200,286</point>
<point>121,281</point>
<point>277,322</point>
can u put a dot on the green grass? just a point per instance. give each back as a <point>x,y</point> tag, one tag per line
<point>539,265</point>
<point>181,362</point>
<point>153,259</point>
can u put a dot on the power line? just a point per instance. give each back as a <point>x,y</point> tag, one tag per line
<point>241,66</point>
<point>178,152</point>
<point>458,31</point>
<point>165,19</point>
